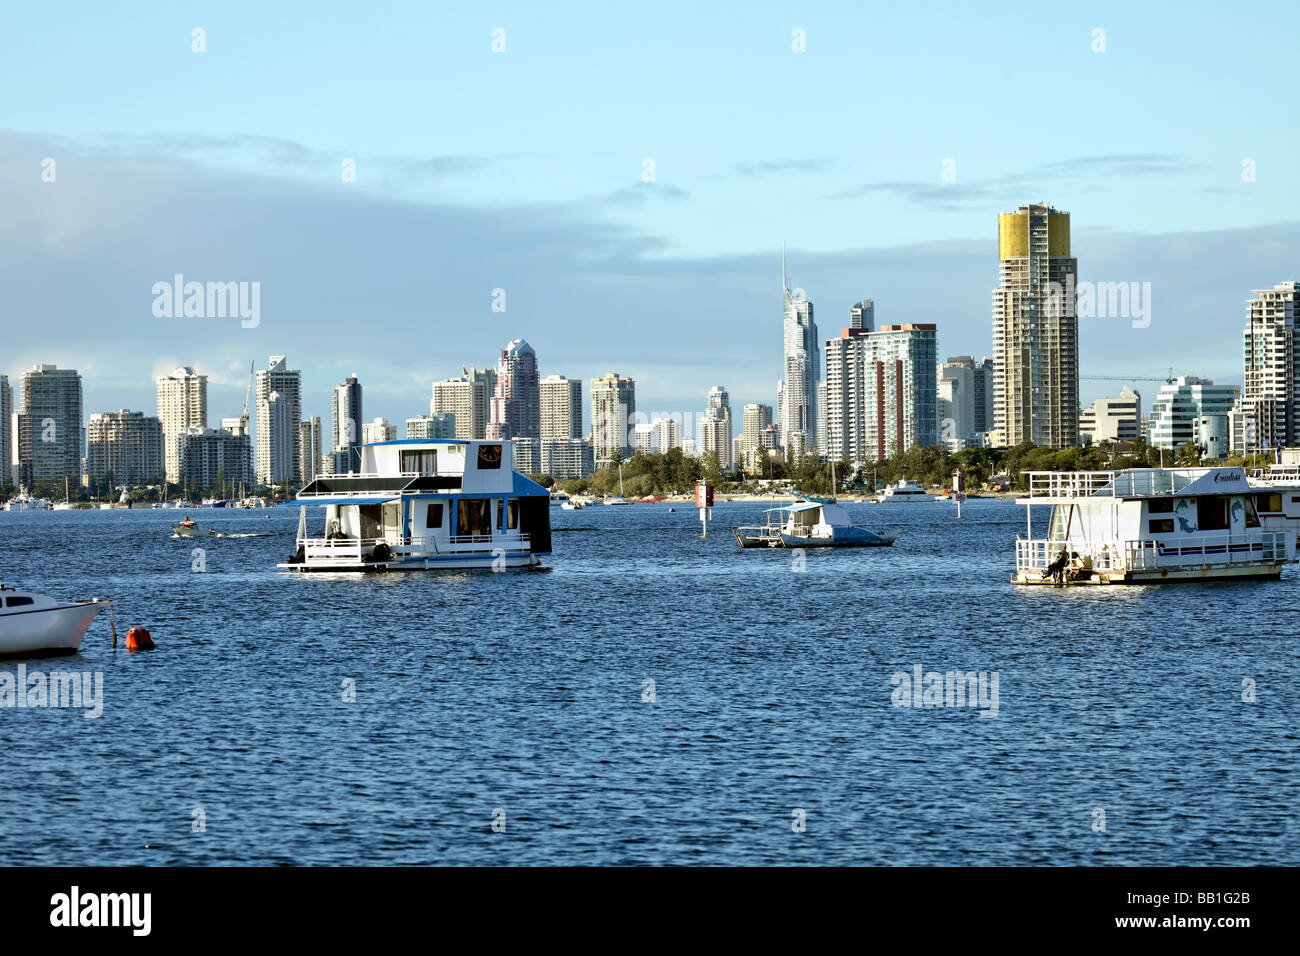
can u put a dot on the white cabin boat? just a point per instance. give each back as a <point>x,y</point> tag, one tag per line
<point>25,502</point>
<point>426,504</point>
<point>809,524</point>
<point>38,625</point>
<point>903,491</point>
<point>1277,497</point>
<point>1148,525</point>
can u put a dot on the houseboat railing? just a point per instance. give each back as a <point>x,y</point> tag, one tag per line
<point>1068,484</point>
<point>1146,554</point>
<point>345,550</point>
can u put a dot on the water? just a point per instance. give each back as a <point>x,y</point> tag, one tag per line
<point>523,691</point>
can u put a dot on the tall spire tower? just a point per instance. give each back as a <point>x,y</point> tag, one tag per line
<point>798,389</point>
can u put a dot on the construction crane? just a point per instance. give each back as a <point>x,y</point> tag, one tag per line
<point>1167,379</point>
<point>248,394</point>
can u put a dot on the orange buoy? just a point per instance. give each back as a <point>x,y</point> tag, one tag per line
<point>139,639</point>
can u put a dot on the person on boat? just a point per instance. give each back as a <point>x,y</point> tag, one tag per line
<point>187,523</point>
<point>1057,568</point>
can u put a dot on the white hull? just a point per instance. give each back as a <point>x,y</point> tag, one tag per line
<point>56,630</point>
<point>445,562</point>
<point>1164,576</point>
<point>195,532</point>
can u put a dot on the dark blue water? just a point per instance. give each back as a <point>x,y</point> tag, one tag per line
<point>524,691</point>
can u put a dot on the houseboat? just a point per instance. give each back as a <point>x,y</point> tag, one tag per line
<point>421,504</point>
<point>1148,525</point>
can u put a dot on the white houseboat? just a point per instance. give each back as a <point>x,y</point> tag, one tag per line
<point>425,504</point>
<point>1277,497</point>
<point>1148,525</point>
<point>809,524</point>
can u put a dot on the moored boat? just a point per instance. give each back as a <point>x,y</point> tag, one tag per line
<point>36,624</point>
<point>902,492</point>
<point>809,524</point>
<point>1148,525</point>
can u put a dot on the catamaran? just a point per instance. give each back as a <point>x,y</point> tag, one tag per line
<point>1148,525</point>
<point>420,504</point>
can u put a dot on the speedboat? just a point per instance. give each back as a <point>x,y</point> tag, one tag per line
<point>34,624</point>
<point>420,504</point>
<point>809,524</point>
<point>615,500</point>
<point>570,505</point>
<point>191,529</point>
<point>903,491</point>
<point>1149,526</point>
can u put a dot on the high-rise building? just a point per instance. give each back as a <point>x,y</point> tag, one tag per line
<point>50,435</point>
<point>613,403</point>
<point>1271,396</point>
<point>237,425</point>
<point>1181,405</point>
<point>965,402</point>
<point>309,446</point>
<point>863,316</point>
<point>432,427</point>
<point>1035,331</point>
<point>182,404</point>
<point>279,410</point>
<point>378,430</point>
<point>516,405</point>
<point>124,448</point>
<point>643,439</point>
<point>880,393</point>
<point>567,457</point>
<point>717,424</point>
<point>6,431</point>
<point>1112,419</point>
<point>798,394</point>
<point>345,425</point>
<point>754,418</point>
<point>668,434</point>
<point>214,458</point>
<point>467,398</point>
<point>561,407</point>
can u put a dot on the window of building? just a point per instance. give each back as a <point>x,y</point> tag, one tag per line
<point>433,518</point>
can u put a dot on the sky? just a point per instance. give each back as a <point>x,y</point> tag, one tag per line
<point>626,174</point>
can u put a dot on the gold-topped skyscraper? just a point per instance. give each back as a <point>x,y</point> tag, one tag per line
<point>1035,331</point>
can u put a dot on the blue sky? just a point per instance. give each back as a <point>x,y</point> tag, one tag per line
<point>522,170</point>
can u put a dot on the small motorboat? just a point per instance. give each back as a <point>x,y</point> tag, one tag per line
<point>191,529</point>
<point>37,625</point>
<point>570,505</point>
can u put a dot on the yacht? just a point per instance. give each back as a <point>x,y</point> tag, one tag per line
<point>34,624</point>
<point>423,504</point>
<point>904,490</point>
<point>1148,525</point>
<point>809,524</point>
<point>25,502</point>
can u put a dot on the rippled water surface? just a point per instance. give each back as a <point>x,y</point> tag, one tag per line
<point>524,691</point>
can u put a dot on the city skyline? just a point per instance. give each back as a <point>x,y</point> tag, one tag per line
<point>575,228</point>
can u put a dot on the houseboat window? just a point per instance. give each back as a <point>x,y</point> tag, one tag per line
<point>474,516</point>
<point>1160,525</point>
<point>1252,517</point>
<point>1268,502</point>
<point>489,456</point>
<point>18,601</point>
<point>1158,506</point>
<point>434,517</point>
<point>420,462</point>
<point>1211,513</point>
<point>512,515</point>
<point>501,513</point>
